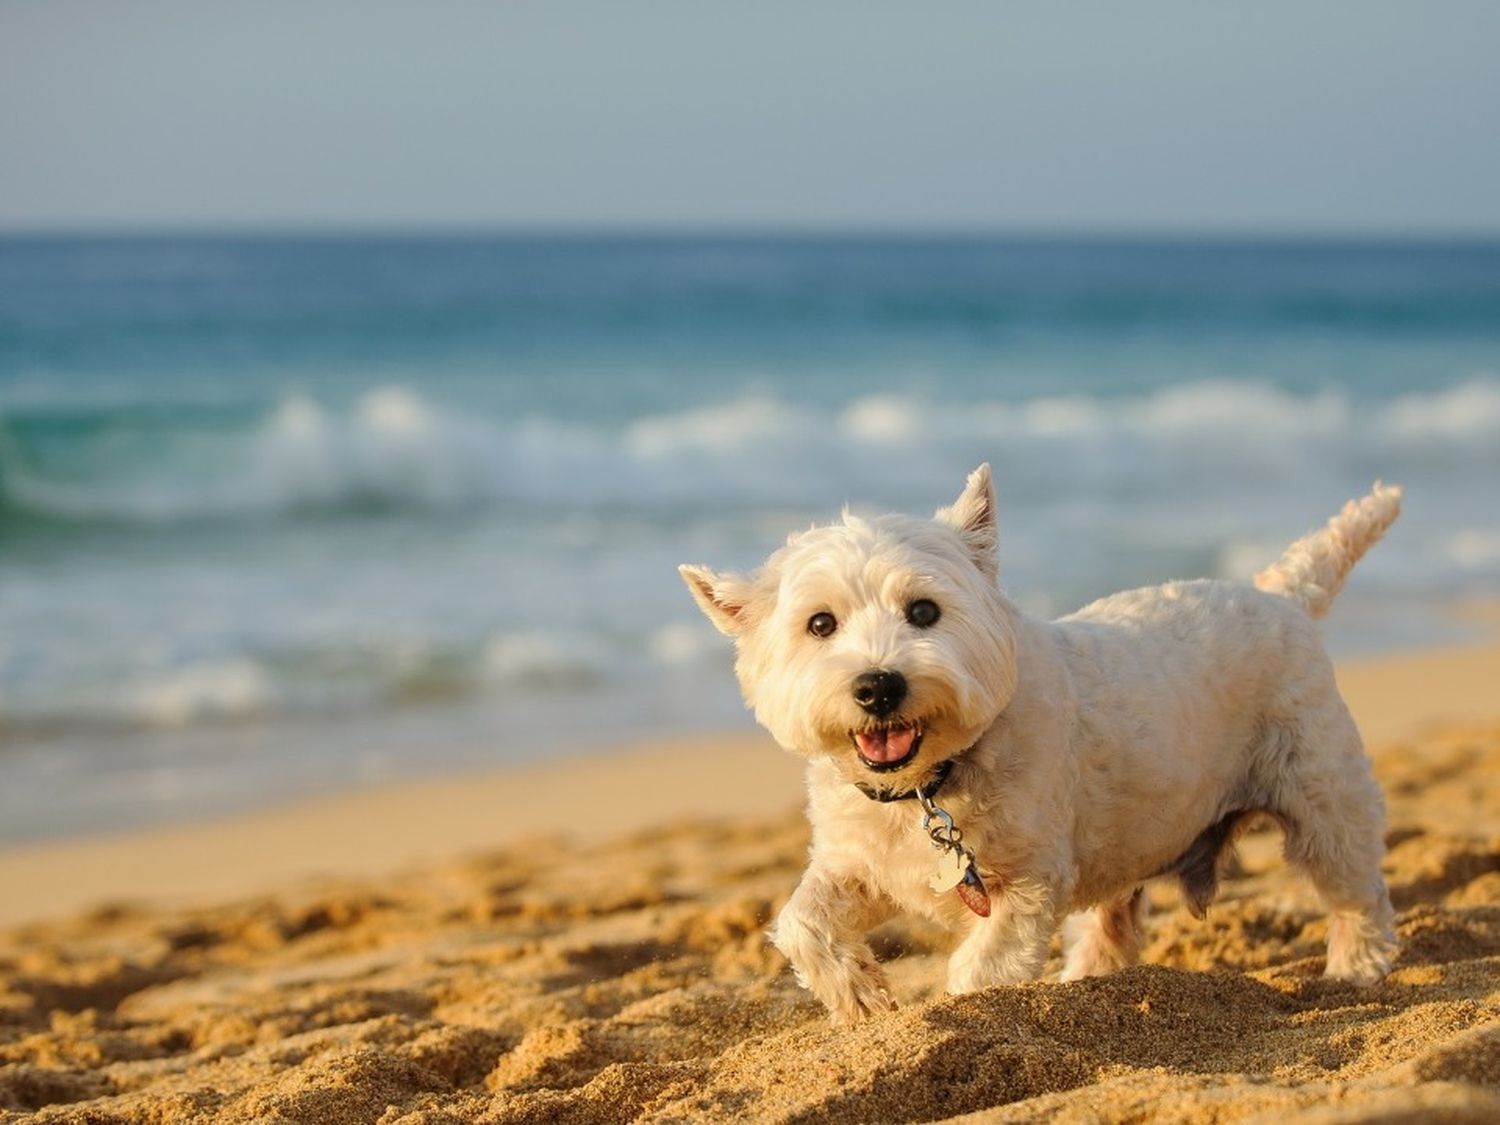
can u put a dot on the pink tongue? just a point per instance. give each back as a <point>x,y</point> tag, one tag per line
<point>886,745</point>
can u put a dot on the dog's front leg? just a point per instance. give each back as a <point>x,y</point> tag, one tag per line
<point>1010,946</point>
<point>821,930</point>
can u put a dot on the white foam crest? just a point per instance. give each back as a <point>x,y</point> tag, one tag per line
<point>1191,411</point>
<point>536,658</point>
<point>244,686</point>
<point>390,448</point>
<point>880,418</point>
<point>393,447</point>
<point>1051,417</point>
<point>727,428</point>
<point>1222,406</point>
<point>1474,548</point>
<point>295,456</point>
<point>686,644</point>
<point>1065,443</point>
<point>756,450</point>
<point>217,690</point>
<point>1468,413</point>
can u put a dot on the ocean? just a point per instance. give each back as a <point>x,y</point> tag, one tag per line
<point>282,515</point>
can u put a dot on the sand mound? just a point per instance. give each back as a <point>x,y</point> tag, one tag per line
<point>631,981</point>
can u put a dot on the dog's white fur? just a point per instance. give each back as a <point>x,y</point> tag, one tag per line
<point>1089,753</point>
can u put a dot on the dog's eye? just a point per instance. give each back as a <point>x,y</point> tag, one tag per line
<point>923,613</point>
<point>822,624</point>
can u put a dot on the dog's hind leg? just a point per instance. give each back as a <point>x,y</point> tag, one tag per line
<point>821,930</point>
<point>1104,939</point>
<point>1010,946</point>
<point>1334,817</point>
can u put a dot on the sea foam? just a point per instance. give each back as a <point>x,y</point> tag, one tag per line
<point>394,448</point>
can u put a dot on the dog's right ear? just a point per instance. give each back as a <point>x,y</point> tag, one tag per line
<point>972,515</point>
<point>722,597</point>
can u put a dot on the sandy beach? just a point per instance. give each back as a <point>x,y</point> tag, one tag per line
<point>372,377</point>
<point>584,942</point>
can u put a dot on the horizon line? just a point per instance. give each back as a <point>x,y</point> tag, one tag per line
<point>746,230</point>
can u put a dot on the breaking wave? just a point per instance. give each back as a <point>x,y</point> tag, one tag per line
<point>333,679</point>
<point>394,449</point>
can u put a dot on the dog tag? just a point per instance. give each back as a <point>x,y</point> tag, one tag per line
<point>972,890</point>
<point>951,867</point>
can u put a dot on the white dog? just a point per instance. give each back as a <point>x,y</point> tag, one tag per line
<point>1059,765</point>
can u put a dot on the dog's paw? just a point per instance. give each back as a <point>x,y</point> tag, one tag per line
<point>1364,967</point>
<point>1365,971</point>
<point>851,987</point>
<point>867,995</point>
<point>1088,957</point>
<point>1360,950</point>
<point>1080,969</point>
<point>970,971</point>
<point>971,976</point>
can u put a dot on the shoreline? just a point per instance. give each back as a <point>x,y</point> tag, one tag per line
<point>582,797</point>
<point>365,832</point>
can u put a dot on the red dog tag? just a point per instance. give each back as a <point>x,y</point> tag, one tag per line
<point>973,893</point>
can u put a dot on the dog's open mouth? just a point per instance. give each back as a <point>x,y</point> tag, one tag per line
<point>889,748</point>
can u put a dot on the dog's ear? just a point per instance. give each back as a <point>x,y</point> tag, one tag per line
<point>972,515</point>
<point>722,597</point>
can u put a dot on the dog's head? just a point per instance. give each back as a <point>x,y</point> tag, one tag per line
<point>884,644</point>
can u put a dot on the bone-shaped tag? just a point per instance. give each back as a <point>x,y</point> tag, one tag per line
<point>951,866</point>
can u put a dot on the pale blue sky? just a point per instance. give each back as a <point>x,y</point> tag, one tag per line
<point>1360,115</point>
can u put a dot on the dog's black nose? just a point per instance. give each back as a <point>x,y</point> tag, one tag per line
<point>879,692</point>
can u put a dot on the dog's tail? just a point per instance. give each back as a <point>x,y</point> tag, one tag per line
<point>1313,569</point>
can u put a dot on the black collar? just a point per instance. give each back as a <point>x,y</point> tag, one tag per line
<point>929,791</point>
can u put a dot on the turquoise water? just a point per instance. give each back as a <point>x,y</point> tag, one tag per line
<point>281,514</point>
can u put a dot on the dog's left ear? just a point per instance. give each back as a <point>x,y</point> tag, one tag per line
<point>972,515</point>
<point>722,597</point>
